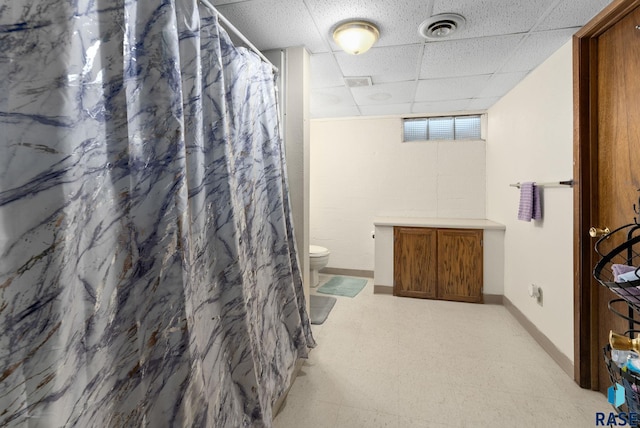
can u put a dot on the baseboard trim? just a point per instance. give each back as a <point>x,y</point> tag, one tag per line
<point>382,289</point>
<point>562,360</point>
<point>348,272</point>
<point>492,299</point>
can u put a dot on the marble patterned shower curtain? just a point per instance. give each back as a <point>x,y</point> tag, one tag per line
<point>148,271</point>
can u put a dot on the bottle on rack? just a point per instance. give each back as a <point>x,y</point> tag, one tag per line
<point>625,351</point>
<point>620,358</point>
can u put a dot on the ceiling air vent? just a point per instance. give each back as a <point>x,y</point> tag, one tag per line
<point>441,26</point>
<point>356,82</point>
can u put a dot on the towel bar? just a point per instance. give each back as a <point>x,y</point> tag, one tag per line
<point>565,183</point>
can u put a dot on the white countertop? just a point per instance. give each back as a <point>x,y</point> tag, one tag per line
<point>446,223</point>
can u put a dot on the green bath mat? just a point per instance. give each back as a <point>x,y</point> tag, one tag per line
<point>343,286</point>
<point>320,308</point>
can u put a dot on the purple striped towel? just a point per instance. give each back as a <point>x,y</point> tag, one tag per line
<point>530,207</point>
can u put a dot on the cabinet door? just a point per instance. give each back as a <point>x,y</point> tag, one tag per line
<point>415,262</point>
<point>460,265</point>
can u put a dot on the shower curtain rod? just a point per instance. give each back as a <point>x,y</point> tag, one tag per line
<point>237,32</point>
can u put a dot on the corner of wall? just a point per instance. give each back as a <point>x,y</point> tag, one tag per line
<point>293,84</point>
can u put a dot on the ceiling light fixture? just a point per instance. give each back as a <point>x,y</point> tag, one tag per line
<point>356,37</point>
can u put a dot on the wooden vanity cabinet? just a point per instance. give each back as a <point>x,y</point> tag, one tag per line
<point>435,263</point>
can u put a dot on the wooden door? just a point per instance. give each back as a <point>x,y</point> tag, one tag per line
<point>618,150</point>
<point>415,262</point>
<point>607,159</point>
<point>460,265</point>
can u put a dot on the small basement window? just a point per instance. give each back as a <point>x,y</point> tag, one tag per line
<point>442,128</point>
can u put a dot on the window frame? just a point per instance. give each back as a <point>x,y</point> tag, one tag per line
<point>480,116</point>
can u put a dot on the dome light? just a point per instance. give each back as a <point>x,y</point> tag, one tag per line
<point>356,37</point>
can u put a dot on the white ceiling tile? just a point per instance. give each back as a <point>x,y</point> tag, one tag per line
<point>502,38</point>
<point>466,57</point>
<point>385,93</point>
<point>482,103</point>
<point>325,71</point>
<point>571,13</point>
<point>331,97</point>
<point>535,49</point>
<point>384,64</point>
<point>500,84</point>
<point>271,24</point>
<point>386,109</point>
<point>441,107</point>
<point>221,2</point>
<point>397,21</point>
<point>456,88</point>
<point>492,17</point>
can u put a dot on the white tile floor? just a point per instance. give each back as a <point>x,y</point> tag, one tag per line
<point>385,361</point>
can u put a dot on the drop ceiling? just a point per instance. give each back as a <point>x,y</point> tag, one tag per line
<point>501,42</point>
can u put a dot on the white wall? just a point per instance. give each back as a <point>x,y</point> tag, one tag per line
<point>297,141</point>
<point>530,138</point>
<point>293,64</point>
<point>360,169</point>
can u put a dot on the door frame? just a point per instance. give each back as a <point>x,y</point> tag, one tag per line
<point>585,157</point>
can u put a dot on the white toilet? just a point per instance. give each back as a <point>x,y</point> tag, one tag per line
<point>318,258</point>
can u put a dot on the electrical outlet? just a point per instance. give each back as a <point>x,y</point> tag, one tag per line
<point>535,291</point>
<point>539,294</point>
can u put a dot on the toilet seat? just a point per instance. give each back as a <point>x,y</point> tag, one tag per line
<point>317,251</point>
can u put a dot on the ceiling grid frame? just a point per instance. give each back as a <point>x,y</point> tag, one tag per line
<point>543,26</point>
